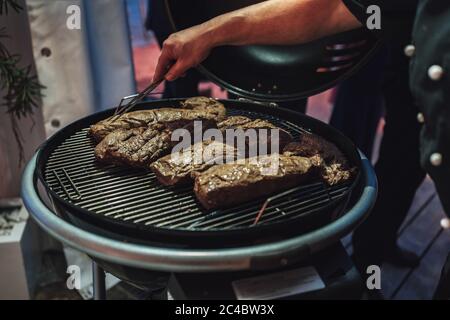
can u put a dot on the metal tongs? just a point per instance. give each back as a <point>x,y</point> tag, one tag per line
<point>121,110</point>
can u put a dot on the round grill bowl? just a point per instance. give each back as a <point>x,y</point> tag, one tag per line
<point>131,205</point>
<point>181,249</point>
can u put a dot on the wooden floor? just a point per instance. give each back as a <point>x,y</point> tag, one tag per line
<point>421,233</point>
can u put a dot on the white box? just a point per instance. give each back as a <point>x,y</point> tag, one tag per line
<point>20,260</point>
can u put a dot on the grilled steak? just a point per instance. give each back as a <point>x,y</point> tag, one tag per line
<point>209,105</point>
<point>336,173</point>
<point>177,168</point>
<point>129,120</point>
<point>234,183</point>
<point>134,147</point>
<point>141,146</point>
<point>244,123</point>
<point>234,122</point>
<point>138,138</point>
<point>311,144</point>
<point>334,167</point>
<point>194,108</point>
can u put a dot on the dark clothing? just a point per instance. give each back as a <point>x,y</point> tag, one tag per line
<point>359,103</point>
<point>431,38</point>
<point>443,289</point>
<point>158,21</point>
<point>430,91</point>
<point>397,16</point>
<point>398,168</point>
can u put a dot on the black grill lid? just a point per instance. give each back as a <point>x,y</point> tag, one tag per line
<point>274,73</point>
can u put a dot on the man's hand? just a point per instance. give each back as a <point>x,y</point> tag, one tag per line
<point>272,22</point>
<point>182,51</point>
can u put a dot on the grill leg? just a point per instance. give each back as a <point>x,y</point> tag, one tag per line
<point>98,276</point>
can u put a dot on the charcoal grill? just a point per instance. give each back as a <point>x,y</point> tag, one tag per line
<point>91,201</point>
<point>136,207</point>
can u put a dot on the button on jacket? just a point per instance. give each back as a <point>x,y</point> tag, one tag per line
<point>84,70</point>
<point>430,84</point>
<point>424,28</point>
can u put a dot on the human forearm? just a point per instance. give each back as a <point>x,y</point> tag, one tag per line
<point>280,22</point>
<point>274,22</point>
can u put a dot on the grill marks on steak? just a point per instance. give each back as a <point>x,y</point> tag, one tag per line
<point>141,146</point>
<point>134,147</point>
<point>311,158</point>
<point>179,167</point>
<point>191,109</point>
<point>234,183</point>
<point>244,123</point>
<point>138,138</point>
<point>234,122</point>
<point>130,120</point>
<point>209,105</point>
<point>311,144</point>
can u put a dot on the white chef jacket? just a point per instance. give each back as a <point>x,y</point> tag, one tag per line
<point>86,69</point>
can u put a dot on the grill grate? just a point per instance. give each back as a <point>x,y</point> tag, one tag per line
<point>134,195</point>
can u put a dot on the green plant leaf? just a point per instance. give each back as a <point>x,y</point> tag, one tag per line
<point>22,87</point>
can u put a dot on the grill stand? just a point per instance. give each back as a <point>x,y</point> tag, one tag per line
<point>334,268</point>
<point>342,281</point>
<point>99,285</point>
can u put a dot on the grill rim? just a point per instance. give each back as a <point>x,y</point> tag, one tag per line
<point>336,205</point>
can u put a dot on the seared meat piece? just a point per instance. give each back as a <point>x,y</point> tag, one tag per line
<point>311,144</point>
<point>135,147</point>
<point>194,108</point>
<point>335,173</point>
<point>233,122</point>
<point>141,146</point>
<point>130,120</point>
<point>244,123</point>
<point>334,167</point>
<point>209,105</point>
<point>138,138</point>
<point>177,168</point>
<point>235,183</point>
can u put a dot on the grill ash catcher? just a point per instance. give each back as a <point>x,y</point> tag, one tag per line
<point>138,230</point>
